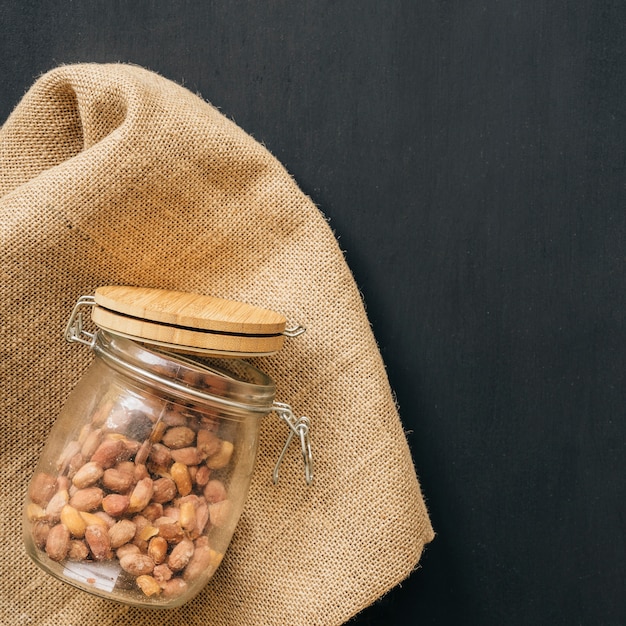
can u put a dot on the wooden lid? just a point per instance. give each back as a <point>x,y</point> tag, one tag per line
<point>188,322</point>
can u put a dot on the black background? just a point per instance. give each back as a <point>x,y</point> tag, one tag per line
<point>470,156</point>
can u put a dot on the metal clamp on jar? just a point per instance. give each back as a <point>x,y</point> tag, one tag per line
<point>145,474</point>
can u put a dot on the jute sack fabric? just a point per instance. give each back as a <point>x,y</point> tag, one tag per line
<point>110,174</point>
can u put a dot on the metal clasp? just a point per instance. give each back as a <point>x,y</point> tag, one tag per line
<point>298,427</point>
<point>74,331</point>
<point>294,331</point>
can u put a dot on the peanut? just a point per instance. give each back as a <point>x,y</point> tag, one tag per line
<point>208,443</point>
<point>180,555</point>
<point>157,549</point>
<point>91,519</point>
<point>127,548</point>
<point>34,512</point>
<point>122,532</point>
<point>214,491</point>
<point>141,495</point>
<point>198,564</point>
<point>84,433</point>
<point>180,475</point>
<point>78,551</point>
<point>91,443</point>
<point>162,573</point>
<point>42,488</point>
<point>157,471</point>
<point>222,458</point>
<point>178,437</point>
<point>56,504</point>
<point>153,511</point>
<point>174,588</point>
<point>89,474</point>
<point>70,450</point>
<point>106,518</point>
<point>147,532</point>
<point>148,585</point>
<point>144,451</point>
<point>117,480</point>
<point>216,559</point>
<point>115,504</point>
<point>58,542</point>
<point>88,499</point>
<point>140,471</point>
<point>158,431</point>
<point>188,515</point>
<point>203,474</point>
<point>202,518</point>
<point>140,522</point>
<point>97,539</point>
<point>103,412</point>
<point>126,466</point>
<point>132,447</point>
<point>76,462</point>
<point>73,521</point>
<point>169,530</point>
<point>172,512</point>
<point>40,532</point>
<point>187,456</point>
<point>164,490</point>
<point>109,452</point>
<point>174,418</point>
<point>137,564</point>
<point>160,455</point>
<point>219,513</point>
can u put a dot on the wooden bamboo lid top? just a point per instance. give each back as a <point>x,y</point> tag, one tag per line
<point>189,321</point>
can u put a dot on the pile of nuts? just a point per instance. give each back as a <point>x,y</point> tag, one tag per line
<point>138,490</point>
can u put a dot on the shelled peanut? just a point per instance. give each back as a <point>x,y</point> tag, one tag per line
<point>147,503</point>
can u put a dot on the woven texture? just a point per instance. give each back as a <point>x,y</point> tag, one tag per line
<point>110,174</point>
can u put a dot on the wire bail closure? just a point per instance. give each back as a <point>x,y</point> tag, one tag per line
<point>299,427</point>
<point>74,331</point>
<point>294,331</point>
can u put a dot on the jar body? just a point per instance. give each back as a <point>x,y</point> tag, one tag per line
<point>145,473</point>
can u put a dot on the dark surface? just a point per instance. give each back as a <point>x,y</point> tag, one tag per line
<point>470,157</point>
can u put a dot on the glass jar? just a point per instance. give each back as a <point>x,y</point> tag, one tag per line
<point>145,473</point>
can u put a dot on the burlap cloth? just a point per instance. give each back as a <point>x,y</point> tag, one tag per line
<point>110,174</point>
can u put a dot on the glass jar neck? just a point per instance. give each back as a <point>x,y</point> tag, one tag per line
<point>231,384</point>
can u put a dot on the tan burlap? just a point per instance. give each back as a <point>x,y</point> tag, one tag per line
<point>111,174</point>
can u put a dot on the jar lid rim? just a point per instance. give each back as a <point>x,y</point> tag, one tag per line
<point>186,321</point>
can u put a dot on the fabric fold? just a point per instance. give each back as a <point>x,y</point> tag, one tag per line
<point>111,174</point>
